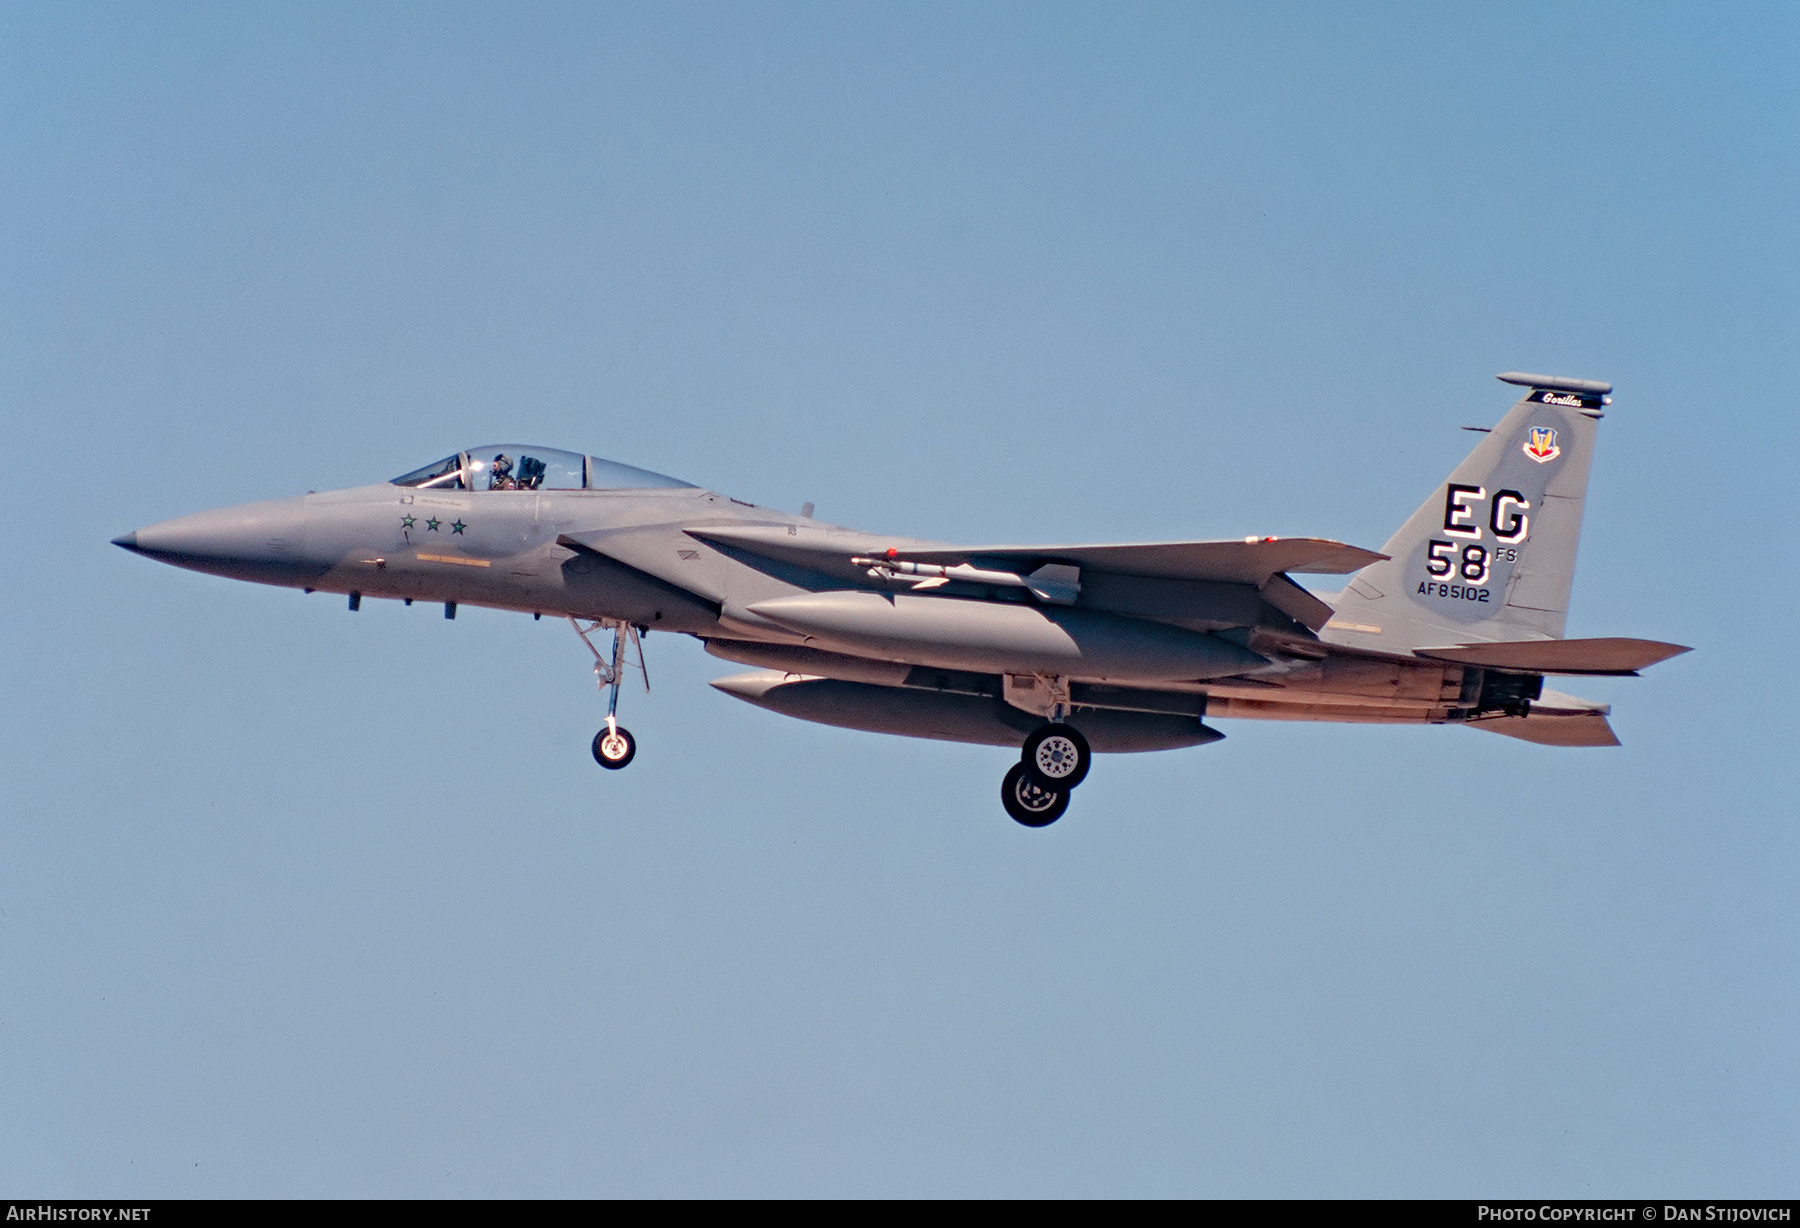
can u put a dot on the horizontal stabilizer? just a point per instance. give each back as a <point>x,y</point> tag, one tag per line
<point>1601,656</point>
<point>1588,729</point>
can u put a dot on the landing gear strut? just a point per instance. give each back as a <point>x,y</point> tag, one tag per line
<point>614,746</point>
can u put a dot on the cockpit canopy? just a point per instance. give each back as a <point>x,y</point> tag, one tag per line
<point>522,467</point>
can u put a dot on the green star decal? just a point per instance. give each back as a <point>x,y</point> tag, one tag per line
<point>433,523</point>
<point>406,522</point>
<point>458,527</point>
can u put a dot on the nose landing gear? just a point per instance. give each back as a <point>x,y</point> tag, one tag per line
<point>614,746</point>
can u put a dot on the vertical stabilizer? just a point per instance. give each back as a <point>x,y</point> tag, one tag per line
<point>1491,554</point>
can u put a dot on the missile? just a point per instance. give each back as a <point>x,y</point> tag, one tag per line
<point>1057,583</point>
<point>951,717</point>
<point>999,637</point>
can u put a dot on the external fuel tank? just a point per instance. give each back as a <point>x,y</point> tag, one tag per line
<point>952,718</point>
<point>999,637</point>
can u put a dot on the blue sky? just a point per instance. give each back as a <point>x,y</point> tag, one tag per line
<point>299,902</point>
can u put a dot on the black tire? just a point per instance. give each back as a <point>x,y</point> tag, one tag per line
<point>1029,802</point>
<point>617,758</point>
<point>1056,756</point>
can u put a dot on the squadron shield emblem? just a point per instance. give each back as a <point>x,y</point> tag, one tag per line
<point>1540,445</point>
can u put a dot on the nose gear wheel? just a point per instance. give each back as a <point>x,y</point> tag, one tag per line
<point>614,747</point>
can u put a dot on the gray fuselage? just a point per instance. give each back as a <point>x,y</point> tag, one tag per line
<point>1145,640</point>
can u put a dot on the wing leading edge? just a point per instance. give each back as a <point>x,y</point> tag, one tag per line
<point>1252,561</point>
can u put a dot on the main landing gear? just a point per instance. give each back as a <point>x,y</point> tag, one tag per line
<point>1054,759</point>
<point>614,746</point>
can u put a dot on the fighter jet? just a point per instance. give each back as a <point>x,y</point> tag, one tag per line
<point>1055,651</point>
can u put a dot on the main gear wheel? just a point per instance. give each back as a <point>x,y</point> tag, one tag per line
<point>1029,802</point>
<point>1056,756</point>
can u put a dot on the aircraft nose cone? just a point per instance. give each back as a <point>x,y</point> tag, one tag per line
<point>255,541</point>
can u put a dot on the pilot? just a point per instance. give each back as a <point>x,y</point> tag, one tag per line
<point>502,478</point>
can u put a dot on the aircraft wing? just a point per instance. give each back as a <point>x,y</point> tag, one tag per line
<point>1251,561</point>
<point>1600,656</point>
